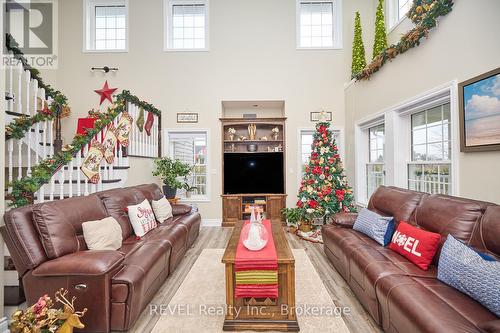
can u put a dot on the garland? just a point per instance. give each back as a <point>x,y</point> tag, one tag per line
<point>23,190</point>
<point>424,13</point>
<point>18,127</point>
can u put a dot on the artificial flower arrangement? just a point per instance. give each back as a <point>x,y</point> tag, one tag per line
<point>231,131</point>
<point>42,317</point>
<point>275,131</point>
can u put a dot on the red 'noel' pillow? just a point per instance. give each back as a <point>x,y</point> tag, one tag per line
<point>417,245</point>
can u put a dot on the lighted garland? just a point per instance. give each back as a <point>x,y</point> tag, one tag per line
<point>424,13</point>
<point>23,190</point>
<point>18,127</point>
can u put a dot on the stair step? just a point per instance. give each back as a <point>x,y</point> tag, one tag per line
<point>47,144</point>
<point>102,167</point>
<point>39,131</point>
<point>13,296</point>
<point>15,114</point>
<point>104,181</point>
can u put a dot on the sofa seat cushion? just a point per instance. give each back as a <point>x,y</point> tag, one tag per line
<point>174,235</point>
<point>130,245</point>
<point>415,304</point>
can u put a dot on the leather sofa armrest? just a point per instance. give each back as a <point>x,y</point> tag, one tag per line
<point>344,220</point>
<point>82,263</point>
<point>181,209</point>
<point>491,326</point>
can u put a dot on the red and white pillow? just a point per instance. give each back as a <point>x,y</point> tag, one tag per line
<point>417,245</point>
<point>142,218</point>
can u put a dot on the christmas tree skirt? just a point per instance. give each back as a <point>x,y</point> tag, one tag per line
<point>313,236</point>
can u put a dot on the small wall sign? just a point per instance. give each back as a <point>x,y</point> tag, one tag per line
<point>321,116</point>
<point>190,117</point>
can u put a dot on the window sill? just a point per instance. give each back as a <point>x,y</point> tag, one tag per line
<point>301,48</point>
<point>187,50</point>
<point>104,51</point>
<point>397,24</point>
<point>194,200</point>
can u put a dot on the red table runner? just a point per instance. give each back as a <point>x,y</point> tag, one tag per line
<point>255,261</point>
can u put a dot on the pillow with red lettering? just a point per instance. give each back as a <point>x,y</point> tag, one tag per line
<point>142,218</point>
<point>417,245</point>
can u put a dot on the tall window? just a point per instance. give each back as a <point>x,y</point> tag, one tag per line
<point>186,25</point>
<point>375,174</point>
<point>403,8</point>
<point>191,147</point>
<point>318,24</point>
<point>106,25</point>
<point>430,166</point>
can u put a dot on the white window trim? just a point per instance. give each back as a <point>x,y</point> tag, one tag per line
<point>89,29</point>
<point>361,140</point>
<point>165,153</point>
<point>337,26</point>
<point>167,26</point>
<point>340,144</point>
<point>392,17</point>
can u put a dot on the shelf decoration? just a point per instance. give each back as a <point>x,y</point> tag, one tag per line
<point>424,13</point>
<point>252,131</point>
<point>358,48</point>
<point>230,133</point>
<point>276,132</point>
<point>380,43</point>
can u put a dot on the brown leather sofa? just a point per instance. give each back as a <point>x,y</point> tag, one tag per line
<point>47,246</point>
<point>398,295</point>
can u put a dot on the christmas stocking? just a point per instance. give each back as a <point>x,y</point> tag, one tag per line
<point>92,162</point>
<point>140,120</point>
<point>149,123</point>
<point>109,144</point>
<point>123,129</point>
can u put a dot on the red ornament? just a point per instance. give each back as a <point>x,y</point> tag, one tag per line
<point>316,170</point>
<point>313,204</point>
<point>106,93</point>
<point>299,203</point>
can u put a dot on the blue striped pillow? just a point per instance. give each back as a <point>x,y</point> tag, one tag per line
<point>475,274</point>
<point>377,227</point>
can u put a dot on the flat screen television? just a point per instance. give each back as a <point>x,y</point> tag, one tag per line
<point>253,173</point>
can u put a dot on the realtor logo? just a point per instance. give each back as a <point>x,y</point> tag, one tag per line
<point>32,25</point>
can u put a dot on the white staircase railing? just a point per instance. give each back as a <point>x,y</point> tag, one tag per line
<point>25,99</point>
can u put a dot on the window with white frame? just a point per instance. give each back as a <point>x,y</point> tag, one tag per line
<point>318,24</point>
<point>186,25</point>
<point>430,167</point>
<point>397,10</point>
<point>106,25</point>
<point>191,147</point>
<point>306,141</point>
<point>375,173</point>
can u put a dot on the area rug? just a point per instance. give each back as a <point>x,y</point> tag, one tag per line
<point>198,304</point>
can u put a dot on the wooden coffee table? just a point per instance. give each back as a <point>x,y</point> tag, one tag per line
<point>262,314</point>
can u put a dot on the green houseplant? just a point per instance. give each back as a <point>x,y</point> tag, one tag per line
<point>188,187</point>
<point>293,217</point>
<point>169,170</point>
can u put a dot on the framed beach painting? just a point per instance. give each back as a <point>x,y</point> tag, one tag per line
<point>479,104</point>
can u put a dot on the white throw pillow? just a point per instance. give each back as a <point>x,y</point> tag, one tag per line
<point>105,234</point>
<point>142,218</point>
<point>162,209</point>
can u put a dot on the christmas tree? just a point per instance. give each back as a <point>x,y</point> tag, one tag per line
<point>380,43</point>
<point>358,48</point>
<point>324,190</point>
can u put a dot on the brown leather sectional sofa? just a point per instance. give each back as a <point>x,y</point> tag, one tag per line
<point>115,286</point>
<point>398,295</point>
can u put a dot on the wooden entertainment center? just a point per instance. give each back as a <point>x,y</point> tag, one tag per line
<point>252,136</point>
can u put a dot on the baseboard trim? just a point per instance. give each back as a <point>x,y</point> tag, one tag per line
<point>211,222</point>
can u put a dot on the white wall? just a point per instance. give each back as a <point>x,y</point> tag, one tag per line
<point>252,56</point>
<point>464,45</point>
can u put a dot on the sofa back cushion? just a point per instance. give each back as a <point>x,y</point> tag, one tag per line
<point>116,202</point>
<point>486,235</point>
<point>394,201</point>
<point>59,223</point>
<point>150,191</point>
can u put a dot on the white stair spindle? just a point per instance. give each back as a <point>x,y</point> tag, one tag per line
<point>20,158</point>
<point>20,72</point>
<point>28,86</point>
<point>52,187</point>
<point>41,194</point>
<point>37,126</point>
<point>61,183</point>
<point>78,173</point>
<point>86,181</point>
<point>70,179</point>
<point>10,87</point>
<point>10,150</point>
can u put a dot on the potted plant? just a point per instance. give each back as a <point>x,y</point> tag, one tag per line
<point>169,170</point>
<point>293,216</point>
<point>188,187</point>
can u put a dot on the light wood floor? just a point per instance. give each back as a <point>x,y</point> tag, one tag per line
<point>359,321</point>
